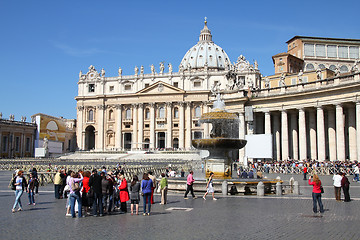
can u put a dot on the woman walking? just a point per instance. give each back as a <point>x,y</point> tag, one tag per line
<point>163,188</point>
<point>31,189</point>
<point>316,193</point>
<point>210,188</point>
<point>146,185</point>
<point>20,185</point>
<point>134,194</point>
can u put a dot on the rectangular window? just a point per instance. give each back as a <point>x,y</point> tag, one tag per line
<point>147,125</point>
<point>331,51</point>
<point>197,84</point>
<point>343,52</point>
<point>176,125</point>
<point>4,143</point>
<point>91,87</point>
<point>127,87</point>
<point>27,146</point>
<point>293,81</point>
<point>197,135</point>
<point>127,126</point>
<point>197,124</point>
<point>111,88</point>
<point>354,52</point>
<point>147,85</point>
<point>17,144</point>
<point>176,84</point>
<point>309,50</point>
<point>320,50</point>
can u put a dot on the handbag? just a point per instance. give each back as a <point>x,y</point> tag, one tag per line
<point>75,186</point>
<point>321,189</point>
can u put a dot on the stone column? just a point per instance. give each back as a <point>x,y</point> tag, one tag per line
<point>181,126</point>
<point>267,122</point>
<point>188,125</point>
<point>284,135</point>
<point>277,143</point>
<point>294,135</point>
<point>312,126</point>
<point>79,127</point>
<point>320,133</point>
<point>152,126</point>
<point>135,127</point>
<point>118,126</point>
<point>358,130</point>
<point>169,125</point>
<point>206,125</point>
<point>332,135</point>
<point>242,136</point>
<point>100,128</point>
<point>141,126</point>
<point>340,137</point>
<point>302,134</point>
<point>352,134</point>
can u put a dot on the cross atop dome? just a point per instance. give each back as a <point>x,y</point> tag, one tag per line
<point>205,34</point>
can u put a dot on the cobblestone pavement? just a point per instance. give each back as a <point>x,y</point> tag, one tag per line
<point>231,217</point>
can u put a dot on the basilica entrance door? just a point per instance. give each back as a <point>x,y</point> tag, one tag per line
<point>89,138</point>
<point>161,140</point>
<point>127,141</point>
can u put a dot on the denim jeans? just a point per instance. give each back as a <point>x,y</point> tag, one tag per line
<point>31,194</point>
<point>146,199</point>
<point>18,194</point>
<point>317,199</point>
<point>356,178</point>
<point>105,199</point>
<point>75,197</point>
<point>98,203</point>
<point>57,191</point>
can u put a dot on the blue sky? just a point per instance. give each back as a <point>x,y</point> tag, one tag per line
<point>44,44</point>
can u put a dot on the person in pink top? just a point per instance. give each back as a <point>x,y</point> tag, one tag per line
<point>189,183</point>
<point>316,193</point>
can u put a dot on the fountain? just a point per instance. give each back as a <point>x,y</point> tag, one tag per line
<point>223,140</point>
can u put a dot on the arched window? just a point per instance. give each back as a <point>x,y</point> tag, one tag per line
<point>147,113</point>
<point>176,112</point>
<point>322,66</point>
<point>147,143</point>
<point>111,115</point>
<point>128,113</point>
<point>332,68</point>
<point>197,112</point>
<point>310,67</point>
<point>91,115</point>
<point>344,69</point>
<point>161,112</point>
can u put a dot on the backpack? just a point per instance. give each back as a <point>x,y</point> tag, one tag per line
<point>13,187</point>
<point>75,186</point>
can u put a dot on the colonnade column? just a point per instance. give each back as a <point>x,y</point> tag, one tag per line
<point>352,133</point>
<point>267,123</point>
<point>340,137</point>
<point>312,126</point>
<point>118,125</point>
<point>188,125</point>
<point>152,126</point>
<point>320,133</point>
<point>277,145</point>
<point>332,135</point>
<point>79,127</point>
<point>358,129</point>
<point>181,125</point>
<point>141,125</point>
<point>284,135</point>
<point>294,135</point>
<point>169,125</point>
<point>100,128</point>
<point>302,134</point>
<point>134,140</point>
<point>242,136</point>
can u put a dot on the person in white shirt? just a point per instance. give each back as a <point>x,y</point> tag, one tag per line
<point>337,185</point>
<point>356,172</point>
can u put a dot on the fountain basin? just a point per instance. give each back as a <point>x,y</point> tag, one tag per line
<point>218,143</point>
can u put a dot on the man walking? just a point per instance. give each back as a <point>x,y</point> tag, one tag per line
<point>189,183</point>
<point>337,186</point>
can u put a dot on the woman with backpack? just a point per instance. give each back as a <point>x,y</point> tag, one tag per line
<point>20,184</point>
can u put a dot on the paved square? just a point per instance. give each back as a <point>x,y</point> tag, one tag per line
<point>232,217</point>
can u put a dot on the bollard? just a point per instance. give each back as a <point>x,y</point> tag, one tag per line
<point>224,188</point>
<point>291,183</point>
<point>278,189</point>
<point>260,189</point>
<point>296,188</point>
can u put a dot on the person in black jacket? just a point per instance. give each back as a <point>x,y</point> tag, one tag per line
<point>95,184</point>
<point>345,184</point>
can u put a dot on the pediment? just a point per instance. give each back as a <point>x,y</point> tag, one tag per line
<point>160,88</point>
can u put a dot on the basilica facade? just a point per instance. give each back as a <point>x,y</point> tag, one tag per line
<point>310,112</point>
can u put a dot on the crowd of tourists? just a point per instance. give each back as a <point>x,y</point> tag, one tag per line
<point>102,192</point>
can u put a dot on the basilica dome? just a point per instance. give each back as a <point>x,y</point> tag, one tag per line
<point>205,54</point>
